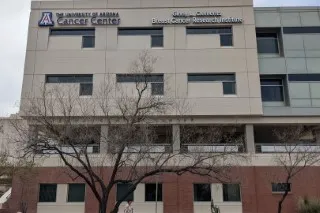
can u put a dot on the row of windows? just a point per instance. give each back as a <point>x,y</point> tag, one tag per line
<point>156,34</point>
<point>156,81</point>
<point>272,87</point>
<point>153,192</point>
<point>48,193</point>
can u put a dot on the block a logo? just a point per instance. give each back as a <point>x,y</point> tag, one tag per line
<point>46,19</point>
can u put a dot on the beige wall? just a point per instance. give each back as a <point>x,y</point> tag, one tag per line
<point>180,55</point>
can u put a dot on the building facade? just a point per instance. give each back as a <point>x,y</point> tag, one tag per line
<point>232,63</point>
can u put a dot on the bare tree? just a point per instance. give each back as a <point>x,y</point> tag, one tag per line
<point>294,156</point>
<point>62,123</point>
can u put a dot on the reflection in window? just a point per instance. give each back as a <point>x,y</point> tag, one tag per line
<point>202,192</point>
<point>231,193</point>
<point>268,43</point>
<point>272,90</point>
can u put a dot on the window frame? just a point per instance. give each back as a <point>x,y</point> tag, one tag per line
<point>220,30</point>
<point>72,31</point>
<point>71,76</point>
<point>128,198</point>
<point>279,191</point>
<point>55,193</point>
<point>93,42</point>
<point>195,199</point>
<point>224,196</point>
<point>301,30</point>
<point>282,86</point>
<point>84,193</point>
<point>156,197</point>
<point>81,89</point>
<point>265,38</point>
<point>215,77</point>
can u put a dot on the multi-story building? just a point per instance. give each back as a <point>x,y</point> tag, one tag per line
<point>232,63</point>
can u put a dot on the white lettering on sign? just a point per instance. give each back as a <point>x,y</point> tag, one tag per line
<point>186,18</point>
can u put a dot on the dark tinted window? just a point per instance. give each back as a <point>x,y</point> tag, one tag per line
<point>122,190</point>
<point>208,30</point>
<point>88,42</point>
<point>281,187</point>
<point>68,78</point>
<point>267,43</point>
<point>231,192</point>
<point>211,77</point>
<point>229,88</point>
<point>272,90</point>
<point>300,30</point>
<point>140,31</point>
<point>48,193</point>
<point>304,77</point>
<point>157,88</point>
<point>202,192</point>
<point>86,89</point>
<point>156,41</point>
<point>226,40</point>
<point>80,32</point>
<point>151,190</point>
<point>76,192</point>
<point>133,78</point>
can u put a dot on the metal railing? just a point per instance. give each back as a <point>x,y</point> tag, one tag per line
<point>150,148</point>
<point>285,148</point>
<point>212,148</point>
<point>91,149</point>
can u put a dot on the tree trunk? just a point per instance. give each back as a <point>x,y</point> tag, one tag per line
<point>102,207</point>
<point>281,201</point>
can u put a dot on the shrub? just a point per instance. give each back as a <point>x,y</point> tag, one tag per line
<point>307,205</point>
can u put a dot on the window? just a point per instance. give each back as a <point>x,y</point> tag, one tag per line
<point>202,192</point>
<point>88,42</point>
<point>86,89</point>
<point>88,35</point>
<point>136,78</point>
<point>226,36</point>
<point>48,193</point>
<point>156,41</point>
<point>304,77</point>
<point>300,30</point>
<point>155,33</point>
<point>228,81</point>
<point>272,90</point>
<point>157,89</point>
<point>72,32</point>
<point>281,187</point>
<point>68,78</point>
<point>231,193</point>
<point>229,88</point>
<point>156,80</point>
<point>122,190</point>
<point>85,81</point>
<point>269,41</point>
<point>151,190</point>
<point>76,192</point>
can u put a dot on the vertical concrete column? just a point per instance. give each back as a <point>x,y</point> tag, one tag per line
<point>250,139</point>
<point>176,138</point>
<point>103,139</point>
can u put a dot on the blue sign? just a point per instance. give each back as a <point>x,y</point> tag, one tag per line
<point>46,20</point>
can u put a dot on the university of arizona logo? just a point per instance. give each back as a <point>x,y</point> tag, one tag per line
<point>46,19</point>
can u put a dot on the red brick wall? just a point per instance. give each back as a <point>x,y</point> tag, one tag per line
<point>255,182</point>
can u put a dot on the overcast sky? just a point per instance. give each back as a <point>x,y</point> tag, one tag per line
<point>14,15</point>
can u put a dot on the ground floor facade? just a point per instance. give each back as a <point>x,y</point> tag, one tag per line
<point>179,194</point>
